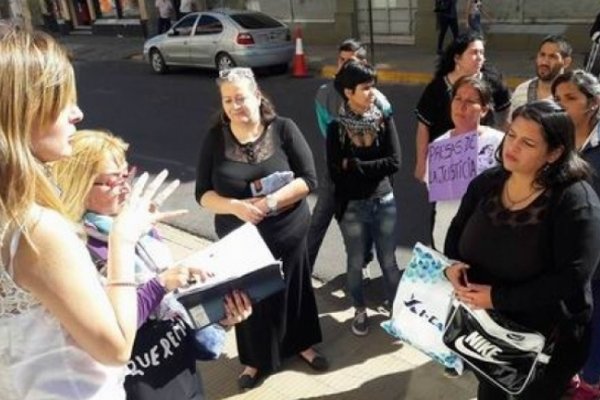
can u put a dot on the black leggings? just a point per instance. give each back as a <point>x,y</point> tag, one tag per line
<point>444,24</point>
<point>569,355</point>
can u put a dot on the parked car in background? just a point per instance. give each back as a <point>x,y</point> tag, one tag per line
<point>222,39</point>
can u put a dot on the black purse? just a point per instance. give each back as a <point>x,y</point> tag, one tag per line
<point>503,352</point>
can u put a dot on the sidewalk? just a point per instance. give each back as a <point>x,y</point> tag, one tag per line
<point>397,64</point>
<point>373,367</point>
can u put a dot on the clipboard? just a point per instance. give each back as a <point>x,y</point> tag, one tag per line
<point>241,260</point>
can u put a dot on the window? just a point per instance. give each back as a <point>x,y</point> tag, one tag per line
<point>185,26</point>
<point>108,8</point>
<point>208,25</point>
<point>255,21</point>
<point>130,8</point>
<point>119,8</point>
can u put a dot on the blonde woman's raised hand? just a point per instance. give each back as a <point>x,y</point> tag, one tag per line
<point>179,277</point>
<point>139,214</point>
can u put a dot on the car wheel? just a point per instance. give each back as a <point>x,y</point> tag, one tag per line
<point>224,61</point>
<point>157,62</point>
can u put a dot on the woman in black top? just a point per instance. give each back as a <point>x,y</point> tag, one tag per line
<point>527,236</point>
<point>464,57</point>
<point>363,153</point>
<point>251,143</point>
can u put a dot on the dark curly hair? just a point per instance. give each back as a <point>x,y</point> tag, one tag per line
<point>446,63</point>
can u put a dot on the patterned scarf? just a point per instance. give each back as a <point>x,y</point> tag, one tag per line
<point>151,257</point>
<point>368,123</point>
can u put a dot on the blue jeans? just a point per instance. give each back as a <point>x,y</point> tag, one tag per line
<point>322,214</point>
<point>364,223</point>
<point>591,370</point>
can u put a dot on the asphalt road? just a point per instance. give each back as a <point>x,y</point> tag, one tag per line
<point>165,118</point>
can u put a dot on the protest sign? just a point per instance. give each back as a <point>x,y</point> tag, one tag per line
<point>452,164</point>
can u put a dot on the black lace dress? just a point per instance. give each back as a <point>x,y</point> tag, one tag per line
<point>286,323</point>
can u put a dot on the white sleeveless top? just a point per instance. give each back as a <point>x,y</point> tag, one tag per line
<point>38,359</point>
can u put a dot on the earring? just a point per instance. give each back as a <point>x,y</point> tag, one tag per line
<point>546,167</point>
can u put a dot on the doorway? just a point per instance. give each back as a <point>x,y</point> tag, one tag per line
<point>81,13</point>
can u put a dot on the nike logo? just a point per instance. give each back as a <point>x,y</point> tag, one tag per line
<point>479,348</point>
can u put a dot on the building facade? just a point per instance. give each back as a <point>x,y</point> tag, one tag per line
<point>515,24</point>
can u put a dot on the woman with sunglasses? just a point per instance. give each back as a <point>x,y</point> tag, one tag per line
<point>578,92</point>
<point>95,183</point>
<point>240,174</point>
<point>527,235</point>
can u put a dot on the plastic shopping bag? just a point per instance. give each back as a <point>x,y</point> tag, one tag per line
<point>421,306</point>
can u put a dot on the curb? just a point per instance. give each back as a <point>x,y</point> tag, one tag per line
<point>386,75</point>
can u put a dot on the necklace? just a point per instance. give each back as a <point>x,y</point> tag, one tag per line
<point>512,203</point>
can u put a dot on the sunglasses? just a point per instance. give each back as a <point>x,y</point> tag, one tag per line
<point>241,72</point>
<point>117,179</point>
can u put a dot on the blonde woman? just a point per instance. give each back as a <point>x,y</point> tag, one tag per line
<point>95,186</point>
<point>64,335</point>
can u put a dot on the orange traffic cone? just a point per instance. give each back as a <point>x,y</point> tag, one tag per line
<point>300,68</point>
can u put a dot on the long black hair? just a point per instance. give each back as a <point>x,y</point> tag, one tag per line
<point>446,63</point>
<point>558,132</point>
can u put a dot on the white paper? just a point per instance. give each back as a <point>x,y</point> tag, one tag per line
<point>237,254</point>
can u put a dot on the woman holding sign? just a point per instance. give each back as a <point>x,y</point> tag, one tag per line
<point>527,236</point>
<point>471,101</point>
<point>464,57</point>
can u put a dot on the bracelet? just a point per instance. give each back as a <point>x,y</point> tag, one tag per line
<point>121,284</point>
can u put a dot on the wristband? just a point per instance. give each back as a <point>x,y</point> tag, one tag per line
<point>121,284</point>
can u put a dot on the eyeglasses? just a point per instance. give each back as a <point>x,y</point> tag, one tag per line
<point>116,179</point>
<point>241,72</point>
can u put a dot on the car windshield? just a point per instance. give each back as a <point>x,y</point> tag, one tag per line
<point>255,21</point>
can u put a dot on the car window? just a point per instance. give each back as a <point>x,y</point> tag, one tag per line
<point>185,26</point>
<point>208,25</point>
<point>255,21</point>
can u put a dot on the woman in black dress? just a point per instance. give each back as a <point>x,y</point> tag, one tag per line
<point>527,234</point>
<point>252,143</point>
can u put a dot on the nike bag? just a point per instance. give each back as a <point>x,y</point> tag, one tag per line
<point>503,352</point>
<point>421,306</point>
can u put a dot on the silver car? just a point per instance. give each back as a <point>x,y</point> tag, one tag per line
<point>222,39</point>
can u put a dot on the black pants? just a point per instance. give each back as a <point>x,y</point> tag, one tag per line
<point>445,23</point>
<point>164,24</point>
<point>569,355</point>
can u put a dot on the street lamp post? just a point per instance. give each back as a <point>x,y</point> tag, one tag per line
<point>371,40</point>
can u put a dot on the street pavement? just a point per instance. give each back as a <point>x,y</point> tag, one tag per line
<point>371,367</point>
<point>400,64</point>
<point>375,366</point>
